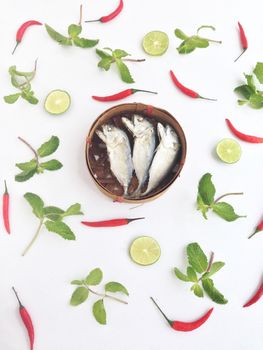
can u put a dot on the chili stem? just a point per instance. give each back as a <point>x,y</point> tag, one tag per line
<point>167,319</point>
<point>80,15</point>
<point>253,234</point>
<point>240,55</point>
<point>107,296</point>
<point>17,297</point>
<point>34,238</point>
<point>228,194</point>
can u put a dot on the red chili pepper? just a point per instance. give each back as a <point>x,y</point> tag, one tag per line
<point>26,320</point>
<point>120,95</point>
<point>110,16</point>
<point>243,40</point>
<point>187,91</point>
<point>258,229</point>
<point>255,297</point>
<point>6,210</point>
<point>185,326</point>
<point>241,136</point>
<point>109,223</point>
<point>21,31</point>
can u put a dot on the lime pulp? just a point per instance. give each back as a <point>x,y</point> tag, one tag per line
<point>228,150</point>
<point>145,250</point>
<point>57,102</point>
<point>155,43</point>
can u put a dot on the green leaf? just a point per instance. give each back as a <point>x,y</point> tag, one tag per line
<point>48,147</point>
<point>245,91</point>
<point>120,53</point>
<point>51,165</point>
<point>201,206</point>
<point>196,257</point>
<point>181,276</point>
<point>31,99</point>
<point>124,71</point>
<point>94,277</point>
<point>114,287</point>
<point>85,43</point>
<point>250,82</point>
<point>74,30</point>
<point>103,54</point>
<point>53,213</point>
<point>99,311</point>
<point>180,34</point>
<point>225,211</point>
<point>258,71</point>
<point>215,267</point>
<point>242,102</point>
<point>256,101</point>
<point>199,42</point>
<point>212,292</point>
<point>25,175</point>
<point>206,189</point>
<point>79,296</point>
<point>73,210</point>
<point>105,63</point>
<point>192,274</point>
<point>12,98</point>
<point>61,229</point>
<point>198,291</point>
<point>36,203</point>
<point>32,164</point>
<point>77,282</point>
<point>186,47</point>
<point>61,39</point>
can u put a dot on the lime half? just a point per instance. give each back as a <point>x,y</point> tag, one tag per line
<point>228,150</point>
<point>145,250</point>
<point>155,43</point>
<point>57,102</point>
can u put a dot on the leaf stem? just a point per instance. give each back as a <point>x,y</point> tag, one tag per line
<point>133,60</point>
<point>106,296</point>
<point>21,86</point>
<point>210,262</point>
<point>228,194</point>
<point>32,149</point>
<point>34,238</point>
<point>80,15</point>
<point>214,41</point>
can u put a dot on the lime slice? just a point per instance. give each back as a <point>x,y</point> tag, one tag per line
<point>145,250</point>
<point>228,150</point>
<point>155,43</point>
<point>57,102</point>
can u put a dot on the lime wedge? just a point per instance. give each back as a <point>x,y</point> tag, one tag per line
<point>228,150</point>
<point>145,250</point>
<point>57,102</point>
<point>155,43</point>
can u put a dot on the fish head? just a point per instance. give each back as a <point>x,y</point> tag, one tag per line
<point>139,126</point>
<point>168,136</point>
<point>110,134</point>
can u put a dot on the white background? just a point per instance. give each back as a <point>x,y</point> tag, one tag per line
<point>43,277</point>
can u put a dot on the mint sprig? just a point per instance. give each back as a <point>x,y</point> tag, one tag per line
<point>116,56</point>
<point>206,200</point>
<point>22,81</point>
<point>35,165</point>
<point>249,92</point>
<point>51,217</point>
<point>190,43</point>
<point>199,265</point>
<point>73,38</point>
<point>82,292</point>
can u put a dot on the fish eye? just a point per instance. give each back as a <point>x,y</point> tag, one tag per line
<point>109,128</point>
<point>140,119</point>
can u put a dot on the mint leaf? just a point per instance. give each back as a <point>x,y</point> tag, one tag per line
<point>61,229</point>
<point>99,311</point>
<point>215,267</point>
<point>103,54</point>
<point>85,43</point>
<point>250,82</point>
<point>256,101</point>
<point>12,98</point>
<point>206,189</point>
<point>212,292</point>
<point>198,291</point>
<point>53,213</point>
<point>29,98</point>
<point>61,39</point>
<point>36,203</point>
<point>51,165</point>
<point>73,210</point>
<point>186,46</point>
<point>48,147</point>
<point>79,296</point>
<point>77,282</point>
<point>180,34</point>
<point>94,277</point>
<point>120,53</point>
<point>105,63</point>
<point>25,175</point>
<point>74,30</point>
<point>242,102</point>
<point>181,276</point>
<point>27,166</point>
<point>192,274</point>
<point>201,206</point>
<point>124,71</point>
<point>199,42</point>
<point>245,91</point>
<point>196,257</point>
<point>225,211</point>
<point>114,287</point>
<point>258,71</point>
